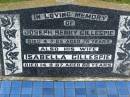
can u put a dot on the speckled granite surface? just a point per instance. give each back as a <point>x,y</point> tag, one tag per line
<point>112,24</point>
<point>23,33</point>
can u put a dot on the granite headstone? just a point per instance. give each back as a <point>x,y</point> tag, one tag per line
<point>66,40</point>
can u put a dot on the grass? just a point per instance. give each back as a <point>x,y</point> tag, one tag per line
<point>119,1</point>
<point>8,1</point>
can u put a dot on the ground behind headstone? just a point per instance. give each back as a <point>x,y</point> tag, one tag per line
<point>42,3</point>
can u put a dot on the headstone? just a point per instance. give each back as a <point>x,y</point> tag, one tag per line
<point>66,40</point>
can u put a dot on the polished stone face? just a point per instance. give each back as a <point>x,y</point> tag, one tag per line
<point>67,40</point>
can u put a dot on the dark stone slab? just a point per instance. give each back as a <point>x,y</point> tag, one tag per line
<point>67,40</point>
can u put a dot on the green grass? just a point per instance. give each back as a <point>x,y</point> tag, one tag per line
<point>119,1</point>
<point>8,1</point>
